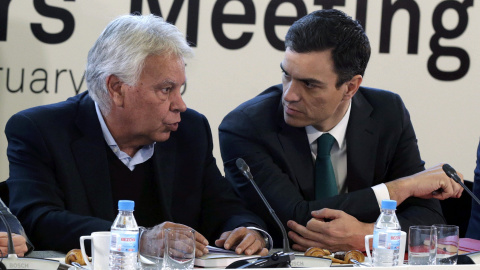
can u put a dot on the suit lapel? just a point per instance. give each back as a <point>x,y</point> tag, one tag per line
<point>362,141</point>
<point>296,149</point>
<point>164,174</point>
<point>91,158</point>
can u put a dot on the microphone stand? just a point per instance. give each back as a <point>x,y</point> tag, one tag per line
<point>472,257</point>
<point>450,172</point>
<point>246,172</point>
<point>278,259</point>
<point>285,258</point>
<point>10,246</point>
<point>14,262</point>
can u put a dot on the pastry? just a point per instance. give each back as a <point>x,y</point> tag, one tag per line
<point>354,254</point>
<point>74,255</point>
<point>322,253</point>
<point>317,252</point>
<point>341,257</point>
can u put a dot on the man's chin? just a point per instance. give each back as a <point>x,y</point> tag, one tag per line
<point>163,136</point>
<point>294,122</point>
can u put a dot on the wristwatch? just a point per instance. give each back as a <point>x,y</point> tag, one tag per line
<point>265,236</point>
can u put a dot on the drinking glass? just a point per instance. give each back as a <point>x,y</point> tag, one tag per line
<point>447,243</point>
<point>151,248</point>
<point>422,245</point>
<point>179,248</point>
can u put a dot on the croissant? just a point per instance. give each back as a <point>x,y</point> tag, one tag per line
<point>354,254</point>
<point>323,253</point>
<point>74,255</point>
<point>317,252</point>
<point>341,257</point>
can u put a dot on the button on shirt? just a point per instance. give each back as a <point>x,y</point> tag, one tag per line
<point>339,156</point>
<point>142,155</point>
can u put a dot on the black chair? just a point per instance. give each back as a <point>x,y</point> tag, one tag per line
<point>457,211</point>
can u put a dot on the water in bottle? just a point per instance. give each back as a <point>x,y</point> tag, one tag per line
<point>124,238</point>
<point>386,236</point>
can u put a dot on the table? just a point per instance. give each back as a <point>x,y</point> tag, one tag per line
<point>56,254</point>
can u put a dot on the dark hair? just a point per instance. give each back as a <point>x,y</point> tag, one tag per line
<point>332,29</point>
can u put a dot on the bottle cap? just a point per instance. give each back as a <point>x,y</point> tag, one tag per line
<point>389,204</point>
<point>126,205</point>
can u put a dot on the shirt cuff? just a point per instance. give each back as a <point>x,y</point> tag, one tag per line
<point>381,193</point>
<point>268,238</point>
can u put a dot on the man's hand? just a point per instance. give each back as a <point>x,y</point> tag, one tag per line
<point>343,231</point>
<point>19,243</point>
<point>431,183</point>
<point>243,240</point>
<point>200,241</point>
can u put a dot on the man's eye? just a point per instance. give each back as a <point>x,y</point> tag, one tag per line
<point>310,85</point>
<point>166,90</point>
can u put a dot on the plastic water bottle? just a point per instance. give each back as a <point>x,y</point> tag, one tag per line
<point>124,238</point>
<point>386,236</point>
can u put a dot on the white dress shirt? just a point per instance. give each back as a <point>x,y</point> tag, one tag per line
<point>339,156</point>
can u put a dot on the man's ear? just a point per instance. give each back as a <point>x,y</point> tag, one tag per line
<point>352,86</point>
<point>116,90</point>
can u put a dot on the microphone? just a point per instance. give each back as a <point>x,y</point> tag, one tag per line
<point>450,172</point>
<point>279,259</point>
<point>14,262</point>
<point>243,167</point>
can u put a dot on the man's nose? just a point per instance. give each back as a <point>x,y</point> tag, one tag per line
<point>177,103</point>
<point>291,91</point>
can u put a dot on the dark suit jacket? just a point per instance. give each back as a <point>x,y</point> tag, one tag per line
<point>474,224</point>
<point>381,146</point>
<point>60,185</point>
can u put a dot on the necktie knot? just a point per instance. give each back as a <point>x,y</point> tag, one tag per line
<point>324,144</point>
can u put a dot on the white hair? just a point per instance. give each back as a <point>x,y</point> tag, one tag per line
<point>122,48</point>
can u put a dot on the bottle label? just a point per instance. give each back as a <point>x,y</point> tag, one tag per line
<point>387,239</point>
<point>124,241</point>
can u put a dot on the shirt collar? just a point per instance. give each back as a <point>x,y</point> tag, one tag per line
<point>338,132</point>
<point>142,155</point>
<point>106,133</point>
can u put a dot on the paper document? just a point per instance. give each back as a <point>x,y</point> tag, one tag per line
<point>219,257</point>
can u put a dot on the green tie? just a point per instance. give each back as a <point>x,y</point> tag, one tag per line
<point>325,183</point>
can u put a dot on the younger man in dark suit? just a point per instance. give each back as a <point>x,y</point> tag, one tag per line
<point>370,152</point>
<point>71,162</point>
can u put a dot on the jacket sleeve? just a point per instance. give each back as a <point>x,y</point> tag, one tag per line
<point>36,196</point>
<point>405,161</point>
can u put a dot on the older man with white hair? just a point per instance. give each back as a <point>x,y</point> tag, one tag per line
<point>130,136</point>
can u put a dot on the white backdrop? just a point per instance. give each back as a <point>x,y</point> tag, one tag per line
<point>38,68</point>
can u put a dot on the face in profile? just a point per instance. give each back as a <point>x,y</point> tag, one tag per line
<point>310,95</point>
<point>153,106</point>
